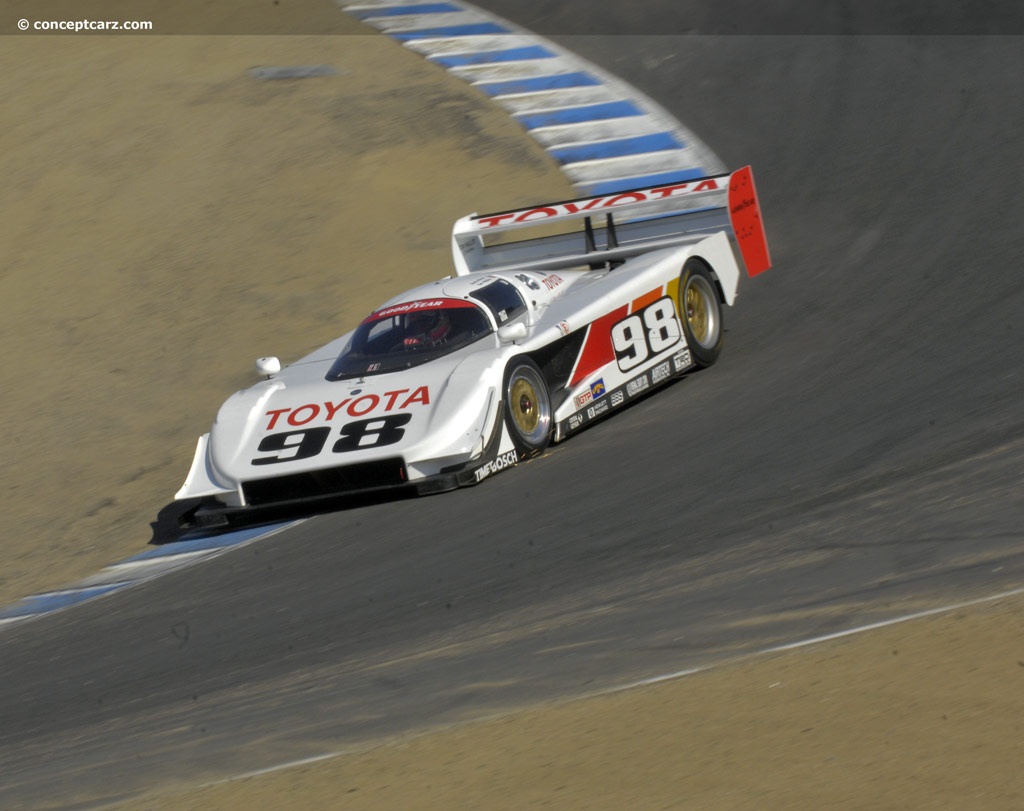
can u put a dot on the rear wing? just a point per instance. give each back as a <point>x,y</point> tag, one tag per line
<point>607,230</point>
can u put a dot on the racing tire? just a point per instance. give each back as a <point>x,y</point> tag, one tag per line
<point>700,310</point>
<point>528,412</point>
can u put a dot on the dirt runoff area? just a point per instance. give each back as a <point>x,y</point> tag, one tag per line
<point>168,215</point>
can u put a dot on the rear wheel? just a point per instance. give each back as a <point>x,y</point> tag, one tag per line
<point>527,407</point>
<point>701,311</point>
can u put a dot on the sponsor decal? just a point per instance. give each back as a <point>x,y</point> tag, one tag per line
<point>582,399</point>
<point>634,387</point>
<point>681,360</point>
<point>597,388</point>
<point>563,327</point>
<point>575,421</point>
<point>361,406</point>
<point>552,281</point>
<point>598,203</point>
<point>496,465</point>
<point>661,372</point>
<point>415,306</point>
<point>617,398</point>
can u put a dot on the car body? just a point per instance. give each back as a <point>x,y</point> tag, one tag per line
<point>530,340</point>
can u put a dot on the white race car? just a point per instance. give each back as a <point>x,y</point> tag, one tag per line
<point>530,341</point>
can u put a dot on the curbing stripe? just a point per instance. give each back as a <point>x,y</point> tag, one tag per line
<point>596,150</point>
<point>558,99</point>
<point>610,130</point>
<point>472,44</point>
<point>137,569</point>
<point>606,135</point>
<point>577,115</point>
<point>492,57</point>
<point>400,11</point>
<point>547,82</point>
<point>450,31</point>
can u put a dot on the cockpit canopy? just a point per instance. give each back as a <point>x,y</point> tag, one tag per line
<point>410,334</point>
<point>416,332</point>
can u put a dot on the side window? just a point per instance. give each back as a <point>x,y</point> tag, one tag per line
<point>502,299</point>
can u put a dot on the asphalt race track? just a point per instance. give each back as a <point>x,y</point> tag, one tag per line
<point>856,454</point>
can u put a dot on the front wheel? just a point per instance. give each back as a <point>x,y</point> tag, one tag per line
<point>527,407</point>
<point>701,311</point>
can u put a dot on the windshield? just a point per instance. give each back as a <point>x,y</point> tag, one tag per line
<point>410,334</point>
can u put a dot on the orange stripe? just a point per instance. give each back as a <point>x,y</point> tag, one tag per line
<point>647,298</point>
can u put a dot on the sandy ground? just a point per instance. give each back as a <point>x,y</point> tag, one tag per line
<point>166,217</point>
<point>924,715</point>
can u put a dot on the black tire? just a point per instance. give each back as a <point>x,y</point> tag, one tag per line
<point>700,310</point>
<point>528,411</point>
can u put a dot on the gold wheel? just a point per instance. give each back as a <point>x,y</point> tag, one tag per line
<point>697,313</point>
<point>528,406</point>
<point>524,406</point>
<point>701,311</point>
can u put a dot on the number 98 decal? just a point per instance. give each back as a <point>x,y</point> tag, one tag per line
<point>646,333</point>
<point>288,446</point>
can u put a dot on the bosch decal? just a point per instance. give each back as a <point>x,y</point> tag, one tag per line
<point>503,461</point>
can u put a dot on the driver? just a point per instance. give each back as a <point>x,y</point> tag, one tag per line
<point>427,328</point>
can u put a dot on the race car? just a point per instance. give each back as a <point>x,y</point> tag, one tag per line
<point>529,341</point>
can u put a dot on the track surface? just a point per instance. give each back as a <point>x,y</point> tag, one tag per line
<point>856,453</point>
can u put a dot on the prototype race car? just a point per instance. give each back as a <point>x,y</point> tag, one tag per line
<point>530,341</point>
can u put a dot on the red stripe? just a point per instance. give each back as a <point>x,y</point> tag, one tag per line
<point>597,348</point>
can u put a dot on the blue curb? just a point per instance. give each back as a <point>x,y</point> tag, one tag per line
<point>399,11</point>
<point>559,81</point>
<point>588,139</point>
<point>451,31</point>
<point>658,142</point>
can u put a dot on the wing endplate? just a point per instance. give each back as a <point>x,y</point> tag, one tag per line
<point>747,223</point>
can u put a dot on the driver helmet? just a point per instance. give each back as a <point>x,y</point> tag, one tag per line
<point>427,328</point>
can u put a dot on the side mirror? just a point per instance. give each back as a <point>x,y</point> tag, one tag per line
<point>268,366</point>
<point>512,333</point>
